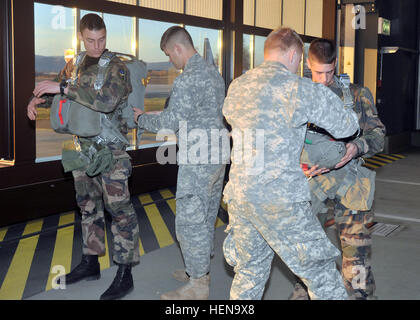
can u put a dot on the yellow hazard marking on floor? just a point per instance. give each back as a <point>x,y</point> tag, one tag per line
<point>141,248</point>
<point>63,248</point>
<point>172,204</point>
<point>219,223</point>
<point>400,156</point>
<point>2,233</point>
<point>381,159</point>
<point>223,205</point>
<point>145,198</point>
<point>166,193</point>
<point>159,227</point>
<point>371,166</point>
<point>33,227</point>
<point>104,260</point>
<point>66,218</point>
<point>375,162</point>
<point>17,275</point>
<point>392,156</point>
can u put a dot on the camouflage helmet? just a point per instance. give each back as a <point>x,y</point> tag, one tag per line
<point>321,150</point>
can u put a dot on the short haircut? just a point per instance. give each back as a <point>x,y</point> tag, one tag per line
<point>92,22</point>
<point>322,51</point>
<point>283,39</point>
<point>176,34</point>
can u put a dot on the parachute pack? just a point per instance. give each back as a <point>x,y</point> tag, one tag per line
<point>68,116</point>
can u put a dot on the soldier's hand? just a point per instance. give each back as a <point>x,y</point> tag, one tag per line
<point>31,108</point>
<point>314,171</point>
<point>46,86</point>
<point>350,154</point>
<point>137,112</point>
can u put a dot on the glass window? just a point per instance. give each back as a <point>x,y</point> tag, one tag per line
<point>247,52</point>
<point>205,39</point>
<point>259,50</point>
<point>54,35</point>
<point>161,72</point>
<point>253,51</point>
<point>306,71</point>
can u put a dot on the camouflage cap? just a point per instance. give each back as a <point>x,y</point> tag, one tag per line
<point>321,150</point>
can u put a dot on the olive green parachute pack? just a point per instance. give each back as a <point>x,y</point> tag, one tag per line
<point>68,116</point>
<point>353,184</point>
<point>94,129</point>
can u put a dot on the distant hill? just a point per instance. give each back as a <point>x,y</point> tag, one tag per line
<point>46,64</point>
<point>159,65</point>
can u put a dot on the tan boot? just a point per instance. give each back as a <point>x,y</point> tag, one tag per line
<point>195,289</point>
<point>180,275</point>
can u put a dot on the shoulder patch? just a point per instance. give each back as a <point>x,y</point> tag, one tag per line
<point>121,72</point>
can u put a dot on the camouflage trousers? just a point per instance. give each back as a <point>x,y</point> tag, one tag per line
<point>256,231</point>
<point>108,191</point>
<point>356,246</point>
<point>199,191</point>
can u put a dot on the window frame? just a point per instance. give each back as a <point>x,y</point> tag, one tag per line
<point>24,178</point>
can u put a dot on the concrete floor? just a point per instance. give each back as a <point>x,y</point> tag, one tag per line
<point>395,258</point>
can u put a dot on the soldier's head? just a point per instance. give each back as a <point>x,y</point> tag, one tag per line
<point>177,44</point>
<point>93,34</point>
<point>284,45</point>
<point>322,59</point>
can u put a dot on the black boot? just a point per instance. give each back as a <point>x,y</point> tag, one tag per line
<point>122,284</point>
<point>88,269</point>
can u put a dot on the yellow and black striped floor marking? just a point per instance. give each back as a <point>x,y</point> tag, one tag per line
<point>382,159</point>
<point>29,251</point>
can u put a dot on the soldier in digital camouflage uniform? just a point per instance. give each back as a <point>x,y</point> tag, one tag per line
<point>350,185</point>
<point>269,209</point>
<point>194,111</point>
<point>100,167</point>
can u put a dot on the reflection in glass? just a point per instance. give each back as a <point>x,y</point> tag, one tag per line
<point>259,50</point>
<point>253,51</point>
<point>199,36</point>
<point>247,52</point>
<point>54,35</point>
<point>161,72</point>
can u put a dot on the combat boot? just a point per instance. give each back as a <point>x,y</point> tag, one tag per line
<point>195,289</point>
<point>88,269</point>
<point>181,275</point>
<point>122,284</point>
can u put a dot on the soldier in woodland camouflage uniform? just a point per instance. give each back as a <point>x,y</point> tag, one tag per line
<point>193,113</point>
<point>100,169</point>
<point>269,208</point>
<point>350,185</point>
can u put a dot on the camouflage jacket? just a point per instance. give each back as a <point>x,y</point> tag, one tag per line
<point>196,103</point>
<point>353,184</point>
<point>371,140</point>
<point>280,104</point>
<point>109,98</point>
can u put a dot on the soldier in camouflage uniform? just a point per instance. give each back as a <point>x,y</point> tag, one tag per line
<point>100,168</point>
<point>350,185</point>
<point>269,209</point>
<point>194,111</point>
